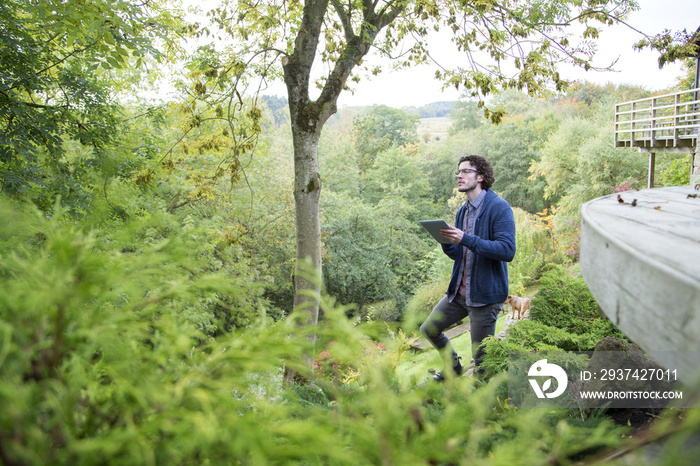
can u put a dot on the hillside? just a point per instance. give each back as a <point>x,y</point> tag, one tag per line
<point>434,128</point>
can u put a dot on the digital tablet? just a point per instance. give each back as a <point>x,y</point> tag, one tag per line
<point>434,227</point>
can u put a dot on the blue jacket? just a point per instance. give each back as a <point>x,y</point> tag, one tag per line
<point>493,245</point>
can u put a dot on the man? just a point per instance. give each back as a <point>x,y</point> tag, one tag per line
<point>481,244</point>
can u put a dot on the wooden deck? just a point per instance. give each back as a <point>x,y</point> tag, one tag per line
<point>640,257</point>
<point>665,123</point>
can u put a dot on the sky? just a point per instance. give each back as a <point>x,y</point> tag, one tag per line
<point>417,86</point>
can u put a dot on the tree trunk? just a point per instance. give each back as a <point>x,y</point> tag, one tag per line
<point>307,270</point>
<point>307,192</point>
<point>307,120</point>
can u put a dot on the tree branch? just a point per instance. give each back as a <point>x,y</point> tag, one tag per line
<point>355,50</point>
<point>344,19</point>
<point>298,68</point>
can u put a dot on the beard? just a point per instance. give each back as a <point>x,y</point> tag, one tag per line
<point>467,186</point>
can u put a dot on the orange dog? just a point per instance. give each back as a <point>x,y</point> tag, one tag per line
<point>518,304</point>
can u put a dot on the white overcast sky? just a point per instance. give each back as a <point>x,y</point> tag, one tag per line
<point>417,86</point>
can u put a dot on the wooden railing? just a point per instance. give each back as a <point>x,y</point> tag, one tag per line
<point>664,123</point>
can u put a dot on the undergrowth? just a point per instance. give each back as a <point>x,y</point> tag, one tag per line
<point>99,364</point>
<point>564,317</point>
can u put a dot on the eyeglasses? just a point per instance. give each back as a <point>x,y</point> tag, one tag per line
<point>464,171</point>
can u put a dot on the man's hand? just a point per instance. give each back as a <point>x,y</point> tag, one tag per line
<point>455,235</point>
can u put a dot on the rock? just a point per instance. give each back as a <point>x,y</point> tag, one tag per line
<point>622,367</point>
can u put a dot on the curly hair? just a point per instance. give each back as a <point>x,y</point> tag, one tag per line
<point>483,168</point>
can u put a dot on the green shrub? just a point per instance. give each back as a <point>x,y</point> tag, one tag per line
<point>533,246</point>
<point>101,361</point>
<point>422,303</point>
<point>100,365</point>
<point>564,301</point>
<point>677,173</point>
<point>564,317</point>
<point>387,311</point>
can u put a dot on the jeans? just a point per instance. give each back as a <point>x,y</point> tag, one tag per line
<point>482,321</point>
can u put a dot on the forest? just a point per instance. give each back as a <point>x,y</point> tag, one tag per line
<point>147,261</point>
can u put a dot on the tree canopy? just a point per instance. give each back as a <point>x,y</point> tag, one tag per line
<point>55,84</point>
<point>380,128</point>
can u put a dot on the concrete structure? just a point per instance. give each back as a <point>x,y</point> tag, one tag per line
<point>640,250</point>
<point>640,257</point>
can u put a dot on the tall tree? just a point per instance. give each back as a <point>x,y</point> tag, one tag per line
<point>529,38</point>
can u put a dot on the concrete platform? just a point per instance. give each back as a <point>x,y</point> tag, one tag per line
<point>640,257</point>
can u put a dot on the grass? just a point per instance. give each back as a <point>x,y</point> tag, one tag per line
<point>414,368</point>
<point>433,129</point>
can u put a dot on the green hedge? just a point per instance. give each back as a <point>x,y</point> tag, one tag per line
<point>564,317</point>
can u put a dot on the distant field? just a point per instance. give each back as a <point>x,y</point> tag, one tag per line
<point>432,129</point>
